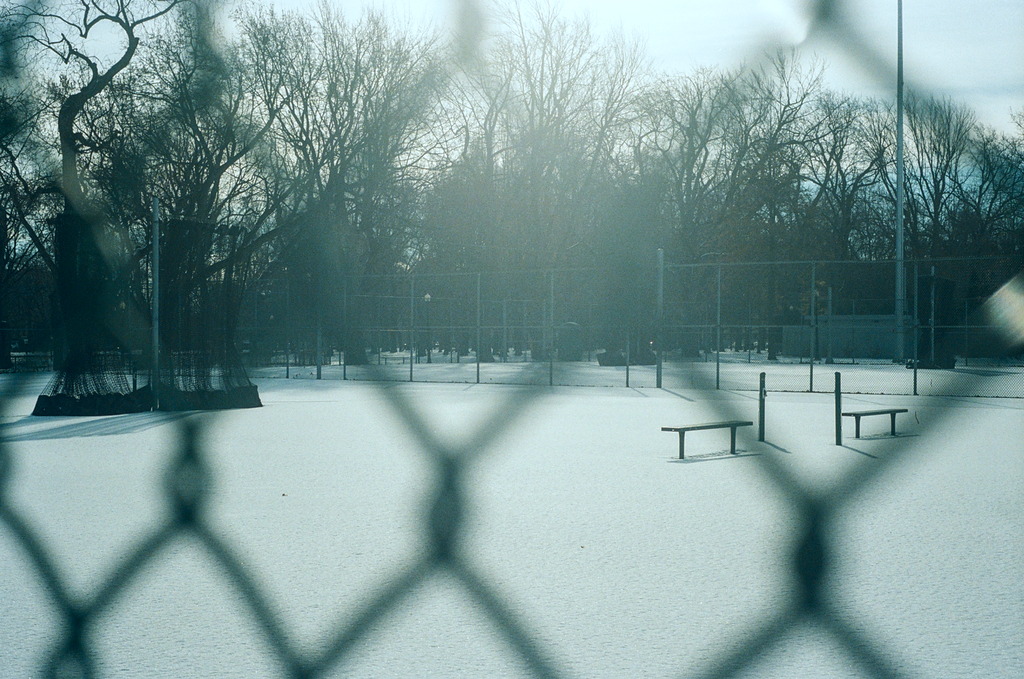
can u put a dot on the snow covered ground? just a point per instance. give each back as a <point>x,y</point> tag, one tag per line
<point>618,559</point>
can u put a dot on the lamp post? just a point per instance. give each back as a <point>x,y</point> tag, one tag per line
<point>154,381</point>
<point>900,275</point>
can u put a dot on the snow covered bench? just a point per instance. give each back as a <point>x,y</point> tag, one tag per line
<point>857,414</point>
<point>731,424</point>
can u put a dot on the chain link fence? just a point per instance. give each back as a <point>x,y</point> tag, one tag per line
<point>594,328</point>
<point>718,326</point>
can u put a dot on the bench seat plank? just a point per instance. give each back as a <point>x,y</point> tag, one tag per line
<point>883,411</point>
<point>710,425</point>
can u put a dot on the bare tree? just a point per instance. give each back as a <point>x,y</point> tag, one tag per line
<point>940,134</point>
<point>96,41</point>
<point>543,127</point>
<point>25,193</point>
<point>841,169</point>
<point>357,138</point>
<point>682,130</point>
<point>990,196</point>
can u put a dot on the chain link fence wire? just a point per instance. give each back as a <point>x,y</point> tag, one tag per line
<point>519,318</point>
<point>584,327</point>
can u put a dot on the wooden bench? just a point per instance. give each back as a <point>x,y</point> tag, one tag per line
<point>731,424</point>
<point>857,414</point>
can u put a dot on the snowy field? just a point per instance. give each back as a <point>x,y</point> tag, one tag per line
<point>618,559</point>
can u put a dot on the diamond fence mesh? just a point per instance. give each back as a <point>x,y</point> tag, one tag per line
<point>720,326</point>
<point>586,327</point>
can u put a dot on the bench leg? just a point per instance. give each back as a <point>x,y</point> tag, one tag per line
<point>893,427</point>
<point>732,445</point>
<point>682,436</point>
<point>856,426</point>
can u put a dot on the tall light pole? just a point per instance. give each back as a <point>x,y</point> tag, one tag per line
<point>154,381</point>
<point>900,275</point>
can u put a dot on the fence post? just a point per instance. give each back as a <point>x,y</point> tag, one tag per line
<point>718,334</point>
<point>839,410</point>
<point>478,328</point>
<point>504,328</point>
<point>287,324</point>
<point>761,395</point>
<point>346,332</point>
<point>965,332</point>
<point>627,357</point>
<point>412,324</point>
<point>917,321</point>
<point>813,301</point>
<point>661,314</point>
<point>551,329</point>
<point>319,345</point>
<point>931,320</point>
<point>830,360</point>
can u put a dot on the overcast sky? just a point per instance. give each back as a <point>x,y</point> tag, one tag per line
<point>970,51</point>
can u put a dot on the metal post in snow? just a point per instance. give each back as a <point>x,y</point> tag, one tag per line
<point>627,357</point>
<point>551,330</point>
<point>154,379</point>
<point>762,394</point>
<point>478,328</point>
<point>839,411</point>
<point>813,298</point>
<point>917,321</point>
<point>319,345</point>
<point>346,332</point>
<point>661,313</point>
<point>931,320</point>
<point>965,332</point>
<point>412,324</point>
<point>287,324</point>
<point>830,359</point>
<point>750,327</point>
<point>718,334</point>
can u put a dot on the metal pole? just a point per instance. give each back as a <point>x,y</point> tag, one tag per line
<point>762,394</point>
<point>319,345</point>
<point>287,324</point>
<point>154,379</point>
<point>750,327</point>
<point>478,328</point>
<point>839,410</point>
<point>426,322</point>
<point>965,332</point>
<point>718,334</point>
<point>931,320</point>
<point>900,275</point>
<point>551,330</point>
<point>830,359</point>
<point>412,324</point>
<point>661,313</point>
<point>627,357</point>
<point>347,333</point>
<point>813,298</point>
<point>917,321</point>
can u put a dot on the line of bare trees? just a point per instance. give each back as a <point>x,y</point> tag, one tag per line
<point>317,147</point>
